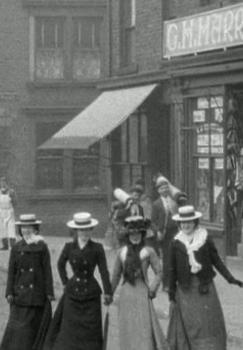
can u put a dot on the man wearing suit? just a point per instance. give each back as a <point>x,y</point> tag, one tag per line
<point>170,198</point>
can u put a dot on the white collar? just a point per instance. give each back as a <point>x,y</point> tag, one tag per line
<point>34,239</point>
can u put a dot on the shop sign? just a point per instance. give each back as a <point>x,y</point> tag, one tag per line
<point>212,30</point>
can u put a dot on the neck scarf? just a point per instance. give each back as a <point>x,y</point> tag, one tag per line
<point>34,239</point>
<point>198,240</point>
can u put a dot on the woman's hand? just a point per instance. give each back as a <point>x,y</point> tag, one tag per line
<point>50,297</point>
<point>108,299</point>
<point>10,299</point>
<point>238,283</point>
<point>151,294</point>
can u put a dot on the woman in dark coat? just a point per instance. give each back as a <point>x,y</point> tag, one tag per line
<point>197,320</point>
<point>77,323</point>
<point>29,289</point>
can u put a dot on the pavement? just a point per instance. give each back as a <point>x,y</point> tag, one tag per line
<point>231,297</point>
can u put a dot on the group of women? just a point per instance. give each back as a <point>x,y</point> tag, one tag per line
<point>196,318</point>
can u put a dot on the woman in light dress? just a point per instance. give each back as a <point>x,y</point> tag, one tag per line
<point>138,324</point>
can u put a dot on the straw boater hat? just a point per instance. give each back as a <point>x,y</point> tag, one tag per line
<point>187,213</point>
<point>82,221</point>
<point>28,220</point>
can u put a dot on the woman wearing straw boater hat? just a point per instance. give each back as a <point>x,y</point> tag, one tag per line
<point>170,198</point>
<point>137,321</point>
<point>29,288</point>
<point>197,320</point>
<point>77,323</point>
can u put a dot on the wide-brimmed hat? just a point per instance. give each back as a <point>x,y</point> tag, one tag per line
<point>187,213</point>
<point>121,195</point>
<point>136,222</point>
<point>82,221</point>
<point>28,220</point>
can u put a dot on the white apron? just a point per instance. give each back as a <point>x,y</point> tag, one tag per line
<point>7,221</point>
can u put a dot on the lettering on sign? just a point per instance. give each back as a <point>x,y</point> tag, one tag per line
<point>206,31</point>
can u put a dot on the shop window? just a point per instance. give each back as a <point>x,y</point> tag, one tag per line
<point>49,163</point>
<point>129,151</point>
<point>128,25</point>
<point>64,170</point>
<point>49,58</point>
<point>206,119</point>
<point>86,168</point>
<point>86,48</point>
<point>65,48</point>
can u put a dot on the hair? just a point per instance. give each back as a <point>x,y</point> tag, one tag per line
<point>195,221</point>
<point>35,226</point>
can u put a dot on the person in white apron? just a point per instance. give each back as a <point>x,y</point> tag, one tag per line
<point>7,221</point>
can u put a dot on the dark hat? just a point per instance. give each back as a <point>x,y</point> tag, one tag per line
<point>137,188</point>
<point>136,222</point>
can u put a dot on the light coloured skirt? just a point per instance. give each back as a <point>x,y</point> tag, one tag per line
<point>139,328</point>
<point>197,321</point>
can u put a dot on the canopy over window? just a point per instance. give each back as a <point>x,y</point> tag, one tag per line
<point>102,116</point>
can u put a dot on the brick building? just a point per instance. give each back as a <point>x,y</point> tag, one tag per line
<point>184,60</point>
<point>52,54</point>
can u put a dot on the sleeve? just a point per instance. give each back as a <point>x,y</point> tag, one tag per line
<point>61,265</point>
<point>157,269</point>
<point>117,272</point>
<point>104,273</point>
<point>11,274</point>
<point>154,219</point>
<point>172,272</point>
<point>48,272</point>
<point>218,263</point>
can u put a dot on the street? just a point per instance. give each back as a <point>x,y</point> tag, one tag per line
<point>230,296</point>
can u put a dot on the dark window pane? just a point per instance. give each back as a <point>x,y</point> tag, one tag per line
<point>49,173</point>
<point>85,172</point>
<point>50,32</point>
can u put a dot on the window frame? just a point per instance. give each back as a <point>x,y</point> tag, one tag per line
<point>127,30</point>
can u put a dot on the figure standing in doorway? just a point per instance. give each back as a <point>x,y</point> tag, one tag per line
<point>170,198</point>
<point>7,221</point>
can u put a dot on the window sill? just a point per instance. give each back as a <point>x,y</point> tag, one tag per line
<point>61,84</point>
<point>131,69</point>
<point>62,3</point>
<point>85,194</point>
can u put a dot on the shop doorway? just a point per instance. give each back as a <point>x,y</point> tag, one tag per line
<point>234,167</point>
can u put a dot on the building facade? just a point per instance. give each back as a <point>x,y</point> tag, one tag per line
<point>52,55</point>
<point>192,51</point>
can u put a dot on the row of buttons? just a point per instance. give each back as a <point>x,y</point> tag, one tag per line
<point>77,290</point>
<point>27,270</point>
<point>78,280</point>
<point>84,261</point>
<point>31,286</point>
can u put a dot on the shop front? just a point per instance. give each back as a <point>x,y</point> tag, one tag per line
<point>203,54</point>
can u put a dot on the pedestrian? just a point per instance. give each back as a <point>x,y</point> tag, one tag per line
<point>197,320</point>
<point>138,324</point>
<point>77,322</point>
<point>164,227</point>
<point>29,288</point>
<point>7,221</point>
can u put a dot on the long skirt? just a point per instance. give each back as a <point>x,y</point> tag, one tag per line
<point>76,325</point>
<point>139,327</point>
<point>197,321</point>
<point>26,327</point>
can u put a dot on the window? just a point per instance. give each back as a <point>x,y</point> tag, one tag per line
<point>64,170</point>
<point>49,60</point>
<point>128,23</point>
<point>86,48</point>
<point>67,48</point>
<point>206,120</point>
<point>129,151</point>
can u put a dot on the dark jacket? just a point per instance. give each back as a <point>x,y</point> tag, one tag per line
<point>83,285</point>
<point>158,219</point>
<point>180,272</point>
<point>29,274</point>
